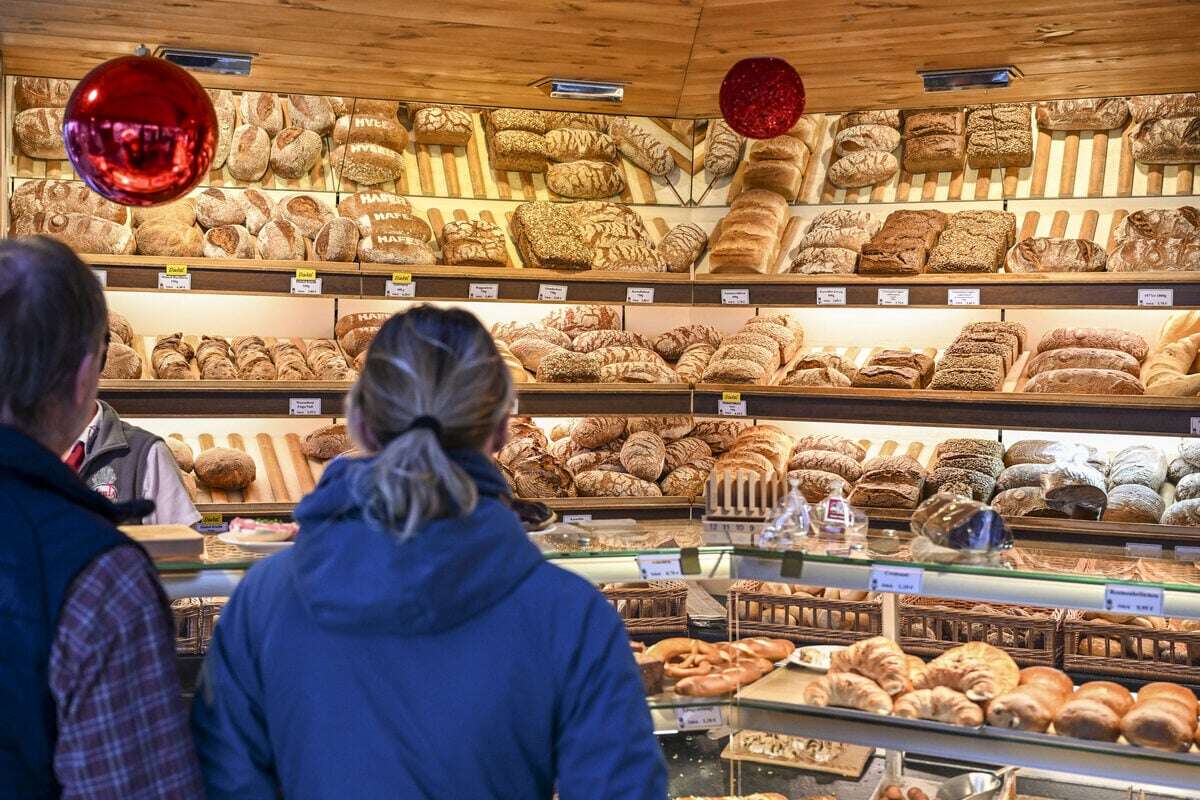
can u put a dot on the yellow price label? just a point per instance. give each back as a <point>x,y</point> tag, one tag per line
<point>211,519</point>
<point>731,397</point>
<point>306,274</point>
<point>401,277</point>
<point>177,270</point>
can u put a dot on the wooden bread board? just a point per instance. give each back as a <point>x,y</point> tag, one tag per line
<point>166,542</point>
<point>283,474</point>
<point>850,763</point>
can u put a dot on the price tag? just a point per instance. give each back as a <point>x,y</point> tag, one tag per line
<point>900,580</point>
<point>304,406</point>
<point>961,297</point>
<point>1195,426</point>
<point>175,270</point>
<point>697,718</point>
<point>734,409</point>
<point>552,292</point>
<point>831,295</point>
<point>483,291</point>
<point>306,274</point>
<point>571,519</point>
<point>639,294</point>
<point>1187,553</point>
<point>1140,600</point>
<point>657,568</point>
<point>402,277</point>
<point>305,285</point>
<point>1156,297</point>
<point>1137,550</point>
<point>394,289</point>
<point>892,297</point>
<point>731,397</point>
<point>735,297</point>
<point>212,522</point>
<point>102,276</point>
<point>174,282</point>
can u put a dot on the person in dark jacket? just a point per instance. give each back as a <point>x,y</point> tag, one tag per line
<point>90,704</point>
<point>413,642</point>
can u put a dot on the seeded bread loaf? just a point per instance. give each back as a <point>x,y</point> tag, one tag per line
<point>519,151</point>
<point>517,119</point>
<point>366,163</point>
<point>563,366</point>
<point>386,132</point>
<point>981,485</point>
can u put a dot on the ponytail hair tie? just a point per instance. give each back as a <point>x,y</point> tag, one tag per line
<point>428,423</point>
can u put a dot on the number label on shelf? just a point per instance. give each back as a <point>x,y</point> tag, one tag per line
<point>572,519</point>
<point>657,568</point>
<point>305,285</point>
<point>552,292</point>
<point>892,297</point>
<point>639,294</point>
<point>102,276</point>
<point>176,270</point>
<point>394,288</point>
<point>735,297</point>
<point>696,718</point>
<point>304,406</point>
<point>1140,600</point>
<point>962,297</point>
<point>175,282</point>
<point>1140,550</point>
<point>1156,297</point>
<point>900,580</point>
<point>831,295</point>
<point>483,291</point>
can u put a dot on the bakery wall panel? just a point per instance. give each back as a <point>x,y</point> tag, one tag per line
<point>225,315</point>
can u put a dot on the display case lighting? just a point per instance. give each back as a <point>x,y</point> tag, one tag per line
<point>947,80</point>
<point>216,61</point>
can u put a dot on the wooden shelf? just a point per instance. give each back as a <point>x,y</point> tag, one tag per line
<point>607,399</point>
<point>1165,416</point>
<point>226,275</point>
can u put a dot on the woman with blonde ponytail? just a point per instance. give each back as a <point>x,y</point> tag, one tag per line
<point>414,643</point>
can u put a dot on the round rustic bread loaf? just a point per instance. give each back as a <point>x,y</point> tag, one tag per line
<point>307,212</point>
<point>258,207</point>
<point>122,363</point>
<point>1188,487</point>
<point>294,152</point>
<point>229,241</point>
<point>216,207</point>
<point>1133,502</point>
<point>326,442</point>
<point>167,238</point>
<point>182,453</point>
<point>643,455</point>
<point>249,153</point>
<point>223,468</point>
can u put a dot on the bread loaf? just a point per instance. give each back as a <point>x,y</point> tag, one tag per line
<point>547,236</point>
<point>311,112</point>
<point>780,148</point>
<point>327,362</point>
<point>1182,512</point>
<point>306,211</point>
<point>1133,502</point>
<point>887,117</point>
<point>643,455</point>
<point>1029,707</point>
<point>865,168</point>
<point>1024,501</point>
<point>1140,464</point>
<point>942,152</point>
<point>122,362</point>
<point>170,356</point>
<point>1055,255</point>
<point>1094,114</point>
<point>641,147</point>
<point>833,444</point>
<point>687,480</point>
<point>563,366</point>
<point>443,125</point>
<point>257,208</point>
<point>337,240</point>
<point>181,451</point>
<point>1082,357</point>
<point>1188,486</point>
<point>718,434</point>
<point>41,93</point>
<point>669,428</point>
<point>120,328</point>
<point>386,132</point>
<point>683,451</point>
<point>827,461</point>
<point>1103,338</point>
<point>168,238</point>
<point>817,484</point>
<point>216,207</point>
<point>894,469</point>
<point>262,109</point>
<point>289,361</point>
<point>577,120</point>
<point>567,144</point>
<point>395,249</point>
<point>366,163</point>
<point>824,261</point>
<point>723,148</point>
<point>253,359</point>
<point>1085,381</point>
<point>68,197</point>
<point>1159,106</point>
<point>605,483</point>
<point>223,468</point>
<point>473,243</point>
<point>294,152</point>
<point>682,246</point>
<point>981,486</point>
<point>327,442</point>
<point>281,240</point>
<point>39,133</point>
<point>585,179</point>
<point>82,232</point>
<point>249,153</point>
<point>866,137</point>
<point>1165,141</point>
<point>356,340</point>
<point>225,105</point>
<point>1155,255</point>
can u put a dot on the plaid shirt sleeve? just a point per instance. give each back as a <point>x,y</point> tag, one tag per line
<point>122,731</point>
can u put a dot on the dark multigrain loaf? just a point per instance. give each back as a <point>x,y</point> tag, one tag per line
<point>981,485</point>
<point>988,448</point>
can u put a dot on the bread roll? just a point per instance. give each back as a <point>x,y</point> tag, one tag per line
<point>223,468</point>
<point>41,93</point>
<point>367,163</point>
<point>282,241</point>
<point>306,211</point>
<point>1113,695</point>
<point>69,197</point>
<point>327,442</point>
<point>82,232</point>
<point>337,240</point>
<point>294,152</point>
<point>443,125</point>
<point>249,153</point>
<point>168,238</point>
<point>263,110</point>
<point>122,363</point>
<point>1158,725</point>
<point>229,241</point>
<point>1029,707</point>
<point>39,133</point>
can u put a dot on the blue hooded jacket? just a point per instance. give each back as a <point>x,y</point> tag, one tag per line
<point>457,664</point>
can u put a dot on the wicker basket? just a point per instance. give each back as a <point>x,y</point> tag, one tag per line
<point>1130,651</point>
<point>806,620</point>
<point>195,618</point>
<point>650,607</point>
<point>931,626</point>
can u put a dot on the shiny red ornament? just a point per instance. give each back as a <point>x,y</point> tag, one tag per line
<point>762,97</point>
<point>140,130</point>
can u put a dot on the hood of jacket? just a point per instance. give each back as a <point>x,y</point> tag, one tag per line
<point>353,576</point>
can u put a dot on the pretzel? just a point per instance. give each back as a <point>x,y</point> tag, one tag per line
<point>684,658</point>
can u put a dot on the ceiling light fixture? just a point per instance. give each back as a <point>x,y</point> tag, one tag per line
<point>589,91</point>
<point>216,61</point>
<point>947,80</point>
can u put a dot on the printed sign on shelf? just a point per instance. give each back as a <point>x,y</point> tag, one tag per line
<point>831,295</point>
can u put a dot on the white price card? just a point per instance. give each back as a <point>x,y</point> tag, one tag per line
<point>1194,428</point>
<point>1187,553</point>
<point>393,289</point>
<point>304,406</point>
<point>831,295</point>
<point>1139,550</point>
<point>657,568</point>
<point>571,519</point>
<point>1140,600</point>
<point>483,291</point>
<point>962,297</point>
<point>698,718</point>
<point>174,282</point>
<point>102,276</point>
<point>305,286</point>
<point>900,580</point>
<point>735,297</point>
<point>892,297</point>
<point>639,294</point>
<point>1156,297</point>
<point>552,292</point>
<point>727,409</point>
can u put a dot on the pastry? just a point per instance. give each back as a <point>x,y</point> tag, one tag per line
<point>978,669</point>
<point>940,704</point>
<point>850,691</point>
<point>877,658</point>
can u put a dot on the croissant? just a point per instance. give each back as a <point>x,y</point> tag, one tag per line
<point>1029,707</point>
<point>878,658</point>
<point>849,691</point>
<point>916,668</point>
<point>941,704</point>
<point>970,676</point>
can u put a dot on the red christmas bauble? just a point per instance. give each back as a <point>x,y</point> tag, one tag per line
<point>762,97</point>
<point>140,130</point>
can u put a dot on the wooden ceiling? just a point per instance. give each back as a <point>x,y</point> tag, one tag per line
<point>673,53</point>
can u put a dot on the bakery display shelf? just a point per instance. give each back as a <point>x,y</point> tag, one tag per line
<point>609,399</point>
<point>283,473</point>
<point>642,509</point>
<point>1142,414</point>
<point>446,171</point>
<point>151,397</point>
<point>226,275</point>
<point>771,704</point>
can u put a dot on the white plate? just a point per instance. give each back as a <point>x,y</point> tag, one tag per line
<point>228,537</point>
<point>818,656</point>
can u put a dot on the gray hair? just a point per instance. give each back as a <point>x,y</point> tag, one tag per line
<point>440,368</point>
<point>52,315</point>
